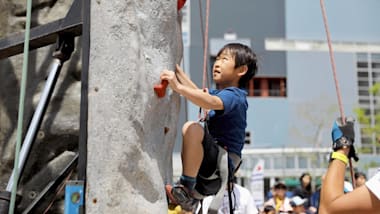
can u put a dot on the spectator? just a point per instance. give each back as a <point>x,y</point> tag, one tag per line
<point>360,179</point>
<point>347,187</point>
<point>315,200</point>
<point>269,210</point>
<point>242,201</point>
<point>298,205</point>
<point>280,202</point>
<point>316,196</point>
<point>304,190</point>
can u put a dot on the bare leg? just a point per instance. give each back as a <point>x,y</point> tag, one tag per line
<point>192,149</point>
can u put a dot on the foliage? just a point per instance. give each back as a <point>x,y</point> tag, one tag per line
<point>370,128</point>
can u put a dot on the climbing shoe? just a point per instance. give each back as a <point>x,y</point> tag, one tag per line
<point>179,194</point>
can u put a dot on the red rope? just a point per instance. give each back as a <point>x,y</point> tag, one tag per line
<point>335,77</point>
<point>204,31</point>
<point>205,48</point>
<point>332,62</point>
<point>201,19</point>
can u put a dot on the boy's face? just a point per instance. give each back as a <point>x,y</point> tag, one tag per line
<point>224,72</point>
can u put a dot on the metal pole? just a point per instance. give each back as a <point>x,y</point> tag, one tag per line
<point>54,70</point>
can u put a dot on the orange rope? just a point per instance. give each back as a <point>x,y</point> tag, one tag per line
<point>335,78</point>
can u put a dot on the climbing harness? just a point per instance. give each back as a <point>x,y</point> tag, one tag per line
<point>332,60</point>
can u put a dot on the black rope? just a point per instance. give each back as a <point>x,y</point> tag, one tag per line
<point>83,127</point>
<point>83,118</point>
<point>230,188</point>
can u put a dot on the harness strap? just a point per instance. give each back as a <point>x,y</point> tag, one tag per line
<point>230,189</point>
<point>223,171</point>
<point>236,161</point>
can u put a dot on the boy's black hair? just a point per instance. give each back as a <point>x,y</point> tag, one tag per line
<point>243,56</point>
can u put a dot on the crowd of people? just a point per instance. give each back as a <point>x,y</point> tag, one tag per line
<point>302,199</point>
<point>281,199</point>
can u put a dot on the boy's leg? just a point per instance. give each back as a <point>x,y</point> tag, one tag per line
<point>192,156</point>
<point>192,149</point>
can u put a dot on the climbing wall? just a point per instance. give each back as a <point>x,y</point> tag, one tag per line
<point>131,132</point>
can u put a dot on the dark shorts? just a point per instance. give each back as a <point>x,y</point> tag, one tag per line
<point>210,155</point>
<point>209,181</point>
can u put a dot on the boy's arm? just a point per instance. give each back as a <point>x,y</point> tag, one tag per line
<point>183,78</point>
<point>201,98</point>
<point>195,95</point>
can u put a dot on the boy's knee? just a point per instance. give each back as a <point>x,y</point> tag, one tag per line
<point>192,127</point>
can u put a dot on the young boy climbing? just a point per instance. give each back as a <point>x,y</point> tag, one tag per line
<point>234,66</point>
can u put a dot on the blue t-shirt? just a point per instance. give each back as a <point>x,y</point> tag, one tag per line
<point>227,126</point>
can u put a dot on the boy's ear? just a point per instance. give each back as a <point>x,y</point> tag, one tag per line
<point>242,70</point>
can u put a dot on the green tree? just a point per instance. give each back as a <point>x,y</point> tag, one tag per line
<point>370,124</point>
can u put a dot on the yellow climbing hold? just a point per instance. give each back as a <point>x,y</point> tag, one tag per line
<point>174,209</point>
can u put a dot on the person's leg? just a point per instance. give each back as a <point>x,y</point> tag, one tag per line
<point>192,156</point>
<point>192,149</point>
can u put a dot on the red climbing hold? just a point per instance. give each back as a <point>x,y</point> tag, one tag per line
<point>180,4</point>
<point>161,88</point>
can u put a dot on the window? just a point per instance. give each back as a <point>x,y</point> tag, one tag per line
<point>302,162</point>
<point>362,65</point>
<point>363,74</point>
<point>247,139</point>
<point>267,87</point>
<point>268,162</point>
<point>290,163</point>
<point>363,93</point>
<point>363,84</point>
<point>278,162</point>
<point>376,65</point>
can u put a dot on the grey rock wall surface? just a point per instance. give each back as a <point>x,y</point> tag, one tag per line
<point>129,154</point>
